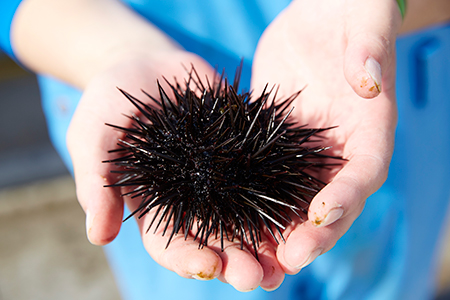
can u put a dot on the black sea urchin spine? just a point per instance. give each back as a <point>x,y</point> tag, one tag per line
<point>217,163</point>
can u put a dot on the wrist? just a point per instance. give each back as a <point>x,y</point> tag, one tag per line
<point>134,71</point>
<point>142,55</point>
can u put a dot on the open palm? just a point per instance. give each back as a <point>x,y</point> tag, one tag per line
<point>89,141</point>
<point>305,47</point>
<point>331,50</point>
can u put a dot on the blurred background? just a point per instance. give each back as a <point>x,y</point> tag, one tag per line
<point>44,252</point>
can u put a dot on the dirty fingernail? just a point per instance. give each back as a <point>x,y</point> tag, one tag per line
<point>373,68</point>
<point>332,216</point>
<point>203,277</point>
<point>311,258</point>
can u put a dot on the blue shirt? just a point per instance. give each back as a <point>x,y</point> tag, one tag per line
<point>389,251</point>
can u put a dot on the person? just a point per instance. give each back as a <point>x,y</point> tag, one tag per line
<point>342,51</point>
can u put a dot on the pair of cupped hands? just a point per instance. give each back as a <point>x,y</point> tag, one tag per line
<point>343,54</point>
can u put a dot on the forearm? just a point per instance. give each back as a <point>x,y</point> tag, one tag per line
<point>73,40</point>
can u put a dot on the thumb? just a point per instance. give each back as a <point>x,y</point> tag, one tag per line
<point>89,141</point>
<point>369,60</point>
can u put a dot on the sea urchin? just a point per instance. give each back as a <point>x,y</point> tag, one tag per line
<point>218,164</point>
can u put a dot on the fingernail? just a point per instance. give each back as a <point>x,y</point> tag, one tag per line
<point>311,258</point>
<point>89,221</point>
<point>332,216</point>
<point>270,289</point>
<point>203,276</point>
<point>373,68</point>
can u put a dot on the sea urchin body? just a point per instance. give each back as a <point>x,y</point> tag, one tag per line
<point>217,164</point>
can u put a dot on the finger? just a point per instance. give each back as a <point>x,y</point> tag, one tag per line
<point>361,177</point>
<point>307,242</point>
<point>88,141</point>
<point>184,256</point>
<point>233,265</point>
<point>371,29</point>
<point>333,211</point>
<point>273,272</point>
<point>172,250</point>
<point>244,272</point>
<point>240,267</point>
<point>103,206</point>
<point>368,150</point>
<point>181,256</point>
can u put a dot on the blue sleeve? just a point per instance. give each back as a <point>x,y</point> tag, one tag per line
<point>7,10</point>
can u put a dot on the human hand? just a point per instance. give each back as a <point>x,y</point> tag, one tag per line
<point>338,51</point>
<point>89,141</point>
<point>92,49</point>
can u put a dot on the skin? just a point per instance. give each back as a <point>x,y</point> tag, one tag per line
<point>365,135</point>
<point>323,47</point>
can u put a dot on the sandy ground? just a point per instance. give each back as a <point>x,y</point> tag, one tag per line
<point>44,253</point>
